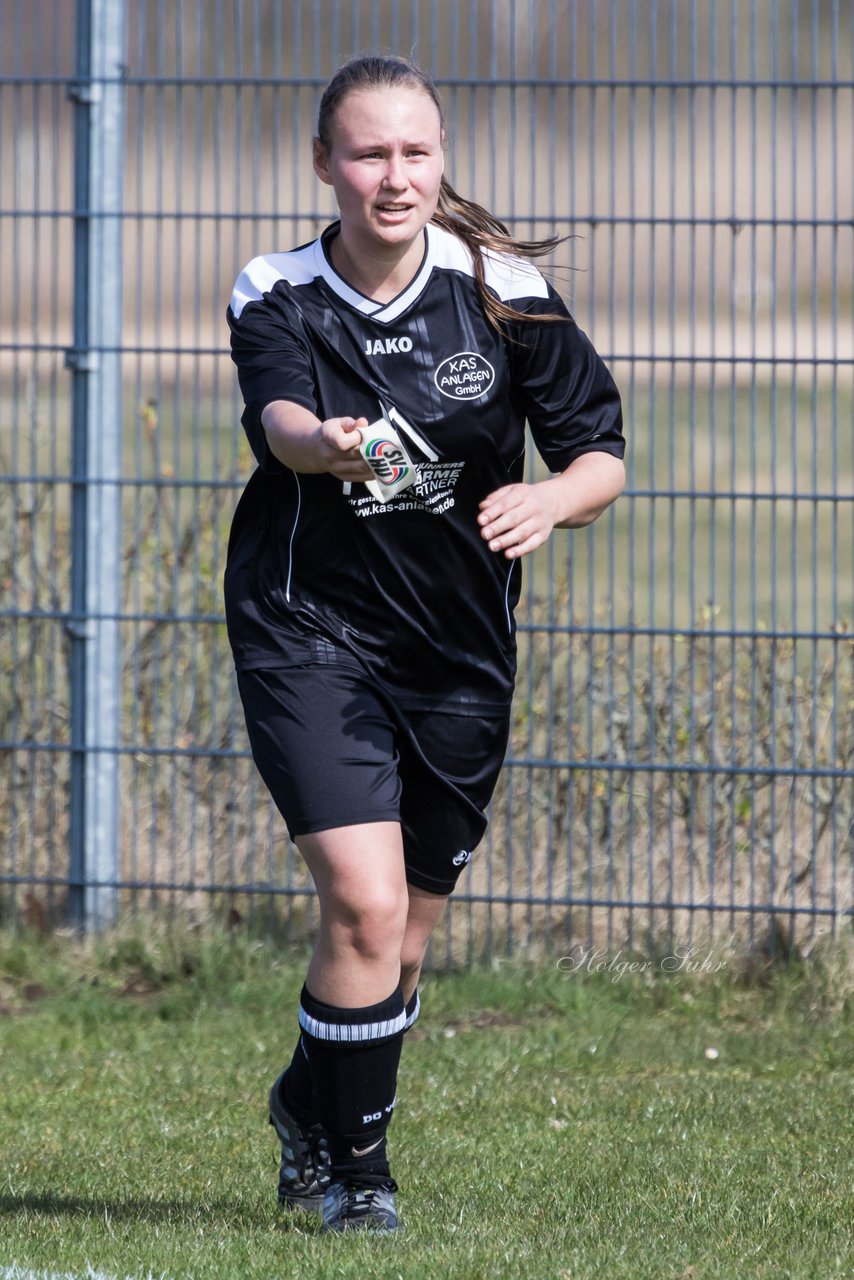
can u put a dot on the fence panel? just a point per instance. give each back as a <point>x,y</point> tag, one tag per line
<point>681,762</point>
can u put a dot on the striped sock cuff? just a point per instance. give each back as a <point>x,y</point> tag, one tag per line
<point>369,1024</point>
<point>412,1009</point>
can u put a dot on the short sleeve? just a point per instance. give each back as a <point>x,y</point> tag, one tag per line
<point>562,385</point>
<point>273,359</point>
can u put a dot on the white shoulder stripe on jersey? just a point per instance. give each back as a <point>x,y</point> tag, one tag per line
<point>448,252</point>
<point>259,277</point>
<point>510,277</point>
<point>513,277</point>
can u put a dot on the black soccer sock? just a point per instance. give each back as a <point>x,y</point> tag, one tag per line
<point>412,1009</point>
<point>354,1056</point>
<point>297,1088</point>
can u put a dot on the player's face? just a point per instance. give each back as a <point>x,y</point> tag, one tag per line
<point>385,164</point>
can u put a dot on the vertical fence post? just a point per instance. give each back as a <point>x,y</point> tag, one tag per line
<point>94,360</point>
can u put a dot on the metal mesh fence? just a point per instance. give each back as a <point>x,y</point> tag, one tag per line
<point>682,757</point>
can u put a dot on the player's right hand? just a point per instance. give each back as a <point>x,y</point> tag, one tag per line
<point>338,441</point>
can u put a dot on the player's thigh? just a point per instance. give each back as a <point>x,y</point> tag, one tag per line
<point>323,744</point>
<point>360,878</point>
<point>449,770</point>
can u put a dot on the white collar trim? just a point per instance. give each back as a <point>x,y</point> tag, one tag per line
<point>384,312</point>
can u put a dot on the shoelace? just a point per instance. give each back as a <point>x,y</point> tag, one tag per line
<point>319,1149</point>
<point>315,1155</point>
<point>316,1159</point>
<point>363,1197</point>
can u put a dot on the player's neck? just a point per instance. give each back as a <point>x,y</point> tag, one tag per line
<point>379,275</point>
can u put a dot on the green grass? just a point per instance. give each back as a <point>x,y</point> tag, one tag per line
<point>550,1124</point>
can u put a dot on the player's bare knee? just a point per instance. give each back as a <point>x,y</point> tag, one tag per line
<point>373,927</point>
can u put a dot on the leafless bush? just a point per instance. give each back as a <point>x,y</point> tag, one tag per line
<point>690,784</point>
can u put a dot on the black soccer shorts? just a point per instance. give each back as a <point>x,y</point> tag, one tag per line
<point>335,751</point>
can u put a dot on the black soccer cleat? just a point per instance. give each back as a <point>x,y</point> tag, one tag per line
<point>352,1208</point>
<point>304,1174</point>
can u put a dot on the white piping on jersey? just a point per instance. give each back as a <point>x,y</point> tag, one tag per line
<point>291,542</point>
<point>508,276</point>
<point>513,564</point>
<point>397,419</point>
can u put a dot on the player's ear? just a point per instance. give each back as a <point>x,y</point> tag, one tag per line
<point>320,160</point>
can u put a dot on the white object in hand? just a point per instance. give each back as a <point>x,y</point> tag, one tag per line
<point>383,450</point>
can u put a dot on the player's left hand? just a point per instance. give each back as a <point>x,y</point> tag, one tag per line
<point>517,519</point>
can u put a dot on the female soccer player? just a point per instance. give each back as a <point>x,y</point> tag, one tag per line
<point>373,635</point>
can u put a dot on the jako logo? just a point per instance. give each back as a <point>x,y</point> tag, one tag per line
<point>387,346</point>
<point>460,859</point>
<point>465,376</point>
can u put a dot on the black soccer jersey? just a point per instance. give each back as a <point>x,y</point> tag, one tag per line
<point>410,586</point>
